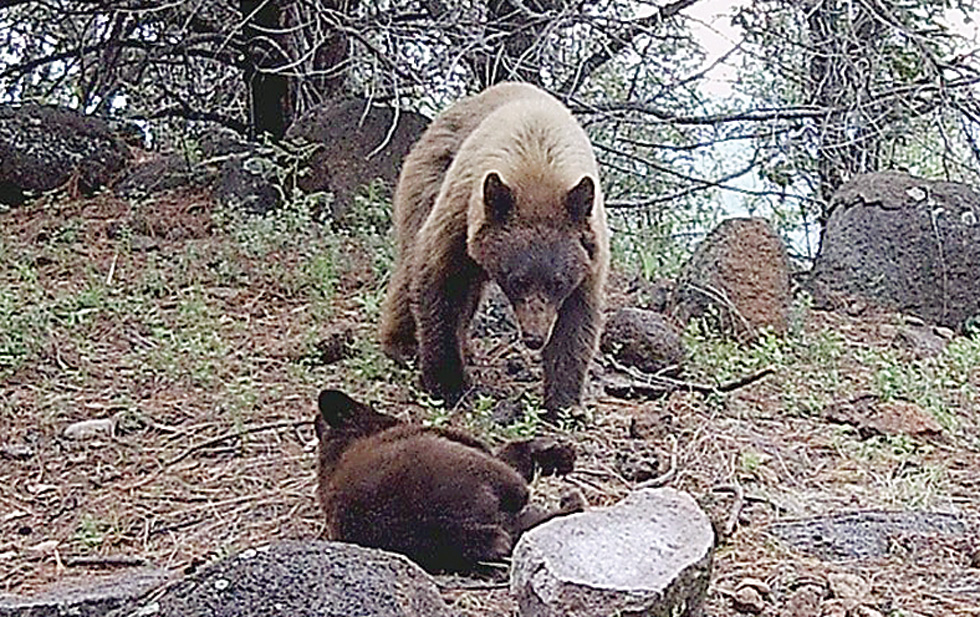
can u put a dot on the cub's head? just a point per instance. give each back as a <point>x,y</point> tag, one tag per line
<point>341,420</point>
<point>538,245</point>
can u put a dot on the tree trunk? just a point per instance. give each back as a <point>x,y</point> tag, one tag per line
<point>848,140</point>
<point>283,80</point>
<point>267,89</point>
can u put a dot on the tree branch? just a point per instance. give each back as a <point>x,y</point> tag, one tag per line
<point>588,66</point>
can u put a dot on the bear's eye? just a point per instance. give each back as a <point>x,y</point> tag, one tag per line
<point>559,288</point>
<point>518,282</point>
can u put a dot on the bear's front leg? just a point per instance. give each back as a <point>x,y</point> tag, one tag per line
<point>444,298</point>
<point>570,349</point>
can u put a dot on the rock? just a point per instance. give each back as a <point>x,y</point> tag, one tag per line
<point>84,597</point>
<point>872,415</point>
<point>653,423</point>
<point>866,535</point>
<point>220,142</point>
<point>300,579</point>
<point>161,174</point>
<point>249,182</point>
<point>359,144</point>
<point>245,174</point>
<point>336,345</point>
<point>643,339</point>
<point>759,585</point>
<point>944,333</point>
<point>42,147</point>
<point>738,278</point>
<point>650,294</point>
<point>90,429</point>
<point>833,608</point>
<point>848,586</point>
<point>920,341</point>
<point>904,243</point>
<point>804,601</point>
<point>47,547</point>
<point>650,554</point>
<point>636,460</point>
<point>748,600</point>
<point>16,452</point>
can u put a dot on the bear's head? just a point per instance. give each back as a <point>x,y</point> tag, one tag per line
<point>342,421</point>
<point>537,260</point>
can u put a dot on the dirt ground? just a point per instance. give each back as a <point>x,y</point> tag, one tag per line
<point>201,346</point>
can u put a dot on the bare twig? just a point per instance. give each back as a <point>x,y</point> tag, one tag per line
<point>235,435</point>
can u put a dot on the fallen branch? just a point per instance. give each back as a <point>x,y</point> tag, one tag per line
<point>637,384</point>
<point>104,561</point>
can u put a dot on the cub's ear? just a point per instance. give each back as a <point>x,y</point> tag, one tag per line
<point>337,408</point>
<point>497,198</point>
<point>579,200</point>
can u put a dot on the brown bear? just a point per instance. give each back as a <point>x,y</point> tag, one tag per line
<point>503,185</point>
<point>437,495</point>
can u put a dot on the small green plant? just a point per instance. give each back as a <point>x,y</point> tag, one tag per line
<point>91,532</point>
<point>527,425</point>
<point>368,362</point>
<point>751,461</point>
<point>437,413</point>
<point>716,358</point>
<point>651,251</point>
<point>240,399</point>
<point>370,213</point>
<point>484,405</point>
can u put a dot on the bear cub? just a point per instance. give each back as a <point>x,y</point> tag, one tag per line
<point>502,186</point>
<point>438,496</point>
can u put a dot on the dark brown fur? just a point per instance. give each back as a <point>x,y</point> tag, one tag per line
<point>501,186</point>
<point>438,496</point>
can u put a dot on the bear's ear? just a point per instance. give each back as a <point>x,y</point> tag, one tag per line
<point>337,408</point>
<point>579,200</point>
<point>497,198</point>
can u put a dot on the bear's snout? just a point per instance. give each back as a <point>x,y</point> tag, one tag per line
<point>536,318</point>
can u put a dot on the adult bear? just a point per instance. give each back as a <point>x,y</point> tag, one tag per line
<point>437,495</point>
<point>503,185</point>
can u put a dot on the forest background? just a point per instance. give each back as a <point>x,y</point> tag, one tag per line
<point>698,109</point>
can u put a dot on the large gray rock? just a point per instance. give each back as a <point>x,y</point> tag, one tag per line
<point>300,579</point>
<point>905,243</point>
<point>85,597</point>
<point>874,534</point>
<point>738,280</point>
<point>649,555</point>
<point>160,174</point>
<point>42,147</point>
<point>249,183</point>
<point>248,177</point>
<point>360,142</point>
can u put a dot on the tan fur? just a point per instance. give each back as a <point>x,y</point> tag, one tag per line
<point>447,249</point>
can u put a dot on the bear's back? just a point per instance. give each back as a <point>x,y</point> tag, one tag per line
<point>425,167</point>
<point>537,148</point>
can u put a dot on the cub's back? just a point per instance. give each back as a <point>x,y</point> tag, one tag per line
<point>411,490</point>
<point>422,474</point>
